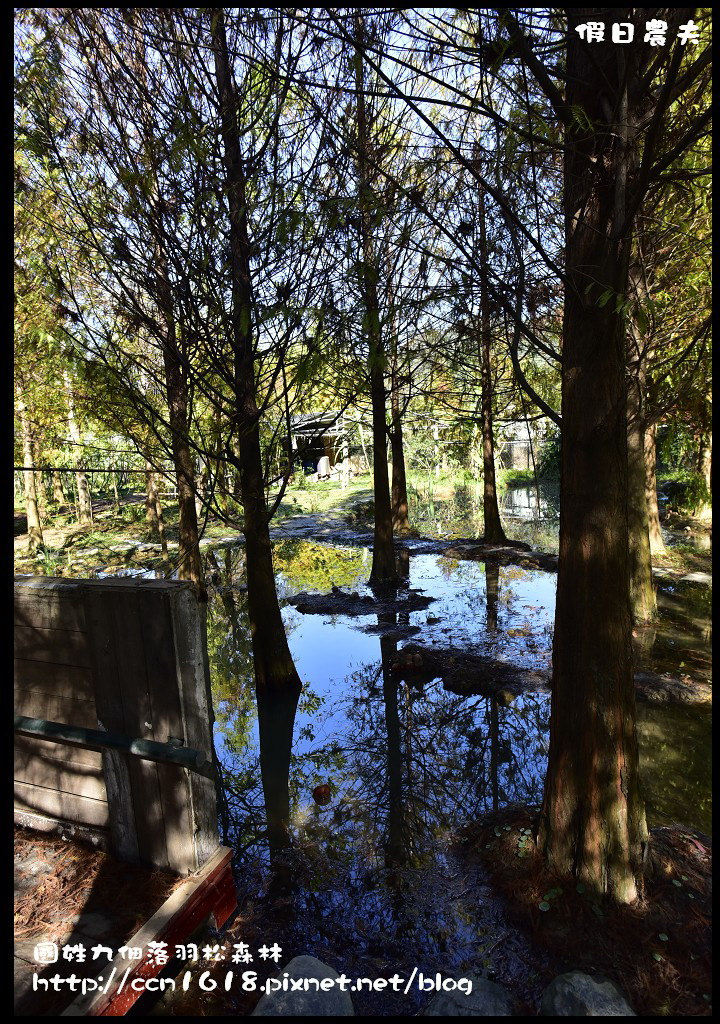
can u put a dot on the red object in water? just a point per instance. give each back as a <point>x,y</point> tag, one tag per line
<point>321,794</point>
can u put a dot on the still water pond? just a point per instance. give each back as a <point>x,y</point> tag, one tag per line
<point>406,761</point>
<point>378,886</point>
<point>377,879</point>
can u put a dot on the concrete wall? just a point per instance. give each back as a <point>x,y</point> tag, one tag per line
<point>125,656</point>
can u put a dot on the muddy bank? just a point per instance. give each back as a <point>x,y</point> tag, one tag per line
<point>474,675</point>
<point>468,674</point>
<point>513,553</point>
<point>658,950</point>
<point>338,602</point>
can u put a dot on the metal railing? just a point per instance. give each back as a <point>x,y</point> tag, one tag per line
<point>173,752</point>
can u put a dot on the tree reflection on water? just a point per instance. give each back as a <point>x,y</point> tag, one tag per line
<point>407,761</point>
<point>374,872</point>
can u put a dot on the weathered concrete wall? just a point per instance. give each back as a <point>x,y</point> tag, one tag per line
<point>126,656</point>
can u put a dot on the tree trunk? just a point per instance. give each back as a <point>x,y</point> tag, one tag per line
<point>161,524</point>
<point>399,480</point>
<point>84,500</point>
<point>58,493</point>
<point>277,683</point>
<point>642,595</point>
<point>40,489</point>
<point>34,528</point>
<point>593,820</point>
<point>150,499</point>
<point>189,561</point>
<point>383,565</point>
<point>705,459</point>
<point>41,496</point>
<point>200,481</point>
<point>493,532</point>
<point>657,544</point>
<point>363,446</point>
<point>176,387</point>
<point>116,493</point>
<point>153,508</point>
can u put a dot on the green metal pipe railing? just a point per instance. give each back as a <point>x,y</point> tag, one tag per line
<point>171,752</point>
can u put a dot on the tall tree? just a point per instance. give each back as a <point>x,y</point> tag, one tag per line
<point>612,103</point>
<point>616,99</point>
<point>383,565</point>
<point>277,683</point>
<point>493,532</point>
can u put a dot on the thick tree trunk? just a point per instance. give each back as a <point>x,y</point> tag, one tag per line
<point>383,564</point>
<point>277,683</point>
<point>642,595</point>
<point>84,500</point>
<point>657,544</point>
<point>493,531</point>
<point>34,528</point>
<point>593,819</point>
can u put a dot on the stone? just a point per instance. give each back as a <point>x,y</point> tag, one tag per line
<point>576,994</point>
<point>315,1002</point>
<point>485,999</point>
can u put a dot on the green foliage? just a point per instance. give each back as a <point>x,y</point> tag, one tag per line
<point>133,513</point>
<point>686,490</point>
<point>549,458</point>
<point>677,445</point>
<point>309,566</point>
<point>515,478</point>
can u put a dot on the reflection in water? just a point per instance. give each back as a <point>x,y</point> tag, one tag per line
<point>542,502</point>
<point>449,757</point>
<point>530,513</point>
<point>373,872</point>
<point>675,756</point>
<point>394,850</point>
<point>406,760</point>
<point>276,717</point>
<point>492,588</point>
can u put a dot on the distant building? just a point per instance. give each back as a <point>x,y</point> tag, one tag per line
<point>314,435</point>
<point>515,449</point>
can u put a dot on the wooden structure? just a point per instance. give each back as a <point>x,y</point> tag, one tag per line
<point>127,657</point>
<point>318,435</point>
<point>210,892</point>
